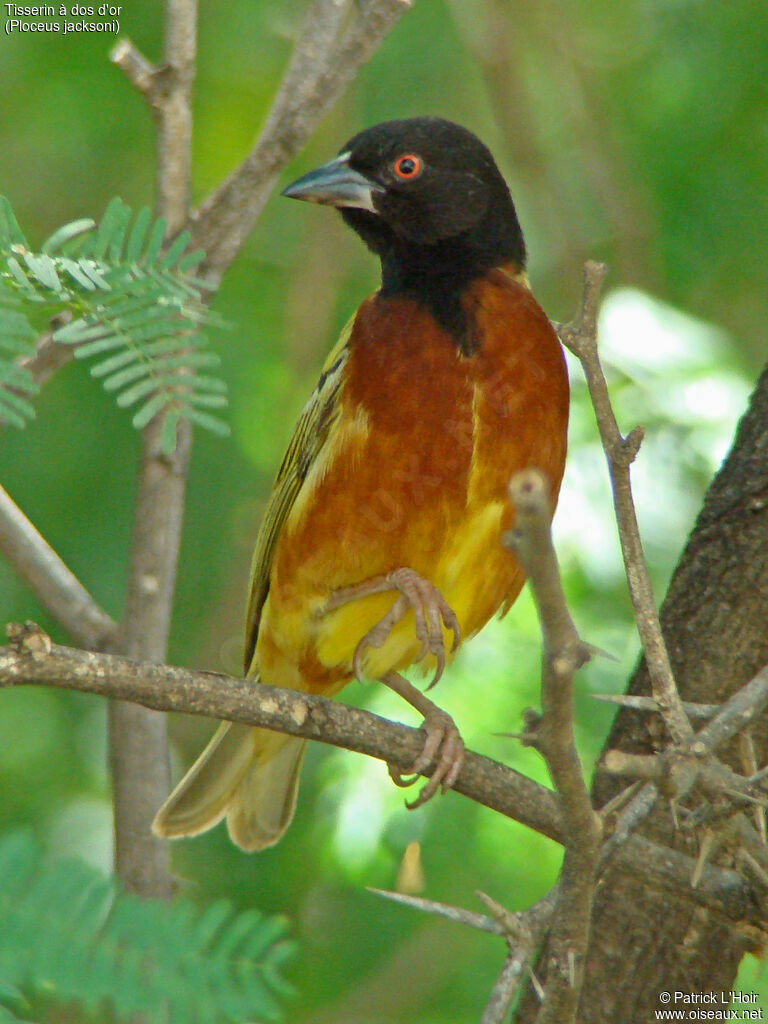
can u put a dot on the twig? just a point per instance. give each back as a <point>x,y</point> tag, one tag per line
<point>581,338</point>
<point>56,587</point>
<point>564,653</point>
<point>737,712</point>
<point>174,121</point>
<point>680,769</point>
<point>320,70</point>
<point>749,765</point>
<point>318,73</point>
<point>715,778</point>
<point>506,985</point>
<point>471,918</point>
<point>136,68</point>
<point>753,866</point>
<point>522,931</point>
<point>639,703</point>
<point>633,815</point>
<point>722,891</point>
<point>524,934</point>
<point>709,845</point>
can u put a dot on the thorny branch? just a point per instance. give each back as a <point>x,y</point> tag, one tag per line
<point>676,771</point>
<point>581,338</point>
<point>564,653</point>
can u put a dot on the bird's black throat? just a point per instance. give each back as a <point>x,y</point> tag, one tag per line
<point>436,275</point>
<point>438,284</point>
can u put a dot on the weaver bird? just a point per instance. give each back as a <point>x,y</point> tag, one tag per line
<point>381,542</point>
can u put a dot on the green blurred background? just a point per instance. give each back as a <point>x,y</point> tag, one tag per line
<point>635,133</point>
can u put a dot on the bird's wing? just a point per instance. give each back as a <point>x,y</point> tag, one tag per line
<point>310,434</point>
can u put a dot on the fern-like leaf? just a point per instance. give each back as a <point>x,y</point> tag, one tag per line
<point>133,303</point>
<point>70,934</point>
<point>17,385</point>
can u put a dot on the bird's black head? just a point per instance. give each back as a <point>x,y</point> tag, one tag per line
<point>427,197</point>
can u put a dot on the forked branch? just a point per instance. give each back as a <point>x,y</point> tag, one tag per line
<point>580,337</point>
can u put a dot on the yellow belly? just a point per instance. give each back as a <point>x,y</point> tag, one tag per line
<point>472,595</point>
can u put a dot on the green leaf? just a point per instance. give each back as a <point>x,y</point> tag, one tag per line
<point>73,937</point>
<point>79,330</point>
<point>212,423</point>
<point>14,325</point>
<point>155,244</point>
<point>130,355</point>
<point>207,401</point>
<point>44,270</point>
<point>22,280</point>
<point>138,234</point>
<point>10,232</point>
<point>190,261</point>
<point>94,273</point>
<point>159,366</point>
<point>66,233</point>
<point>14,409</point>
<point>133,394</point>
<point>168,431</point>
<point>112,223</point>
<point>135,309</point>
<point>18,377</point>
<point>78,274</point>
<point>95,348</point>
<point>150,410</point>
<point>175,250</point>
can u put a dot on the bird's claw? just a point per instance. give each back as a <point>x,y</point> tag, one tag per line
<point>442,736</point>
<point>430,610</point>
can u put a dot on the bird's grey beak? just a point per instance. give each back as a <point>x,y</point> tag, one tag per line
<point>335,184</point>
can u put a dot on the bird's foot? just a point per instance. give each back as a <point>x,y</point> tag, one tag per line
<point>416,594</point>
<point>443,741</point>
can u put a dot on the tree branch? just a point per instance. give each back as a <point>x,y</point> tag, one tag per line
<point>55,586</point>
<point>564,653</point>
<point>321,67</point>
<point>581,338</point>
<point>136,68</point>
<point>49,356</point>
<point>138,743</point>
<point>168,688</point>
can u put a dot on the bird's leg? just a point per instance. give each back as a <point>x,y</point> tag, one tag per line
<point>430,610</point>
<point>442,737</point>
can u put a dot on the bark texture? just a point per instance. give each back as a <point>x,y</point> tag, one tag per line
<point>714,617</point>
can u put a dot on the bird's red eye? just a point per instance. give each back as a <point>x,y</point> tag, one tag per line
<point>408,166</point>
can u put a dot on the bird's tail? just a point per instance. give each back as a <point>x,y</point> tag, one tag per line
<point>249,775</point>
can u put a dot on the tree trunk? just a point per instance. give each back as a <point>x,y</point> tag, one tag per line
<point>715,621</point>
